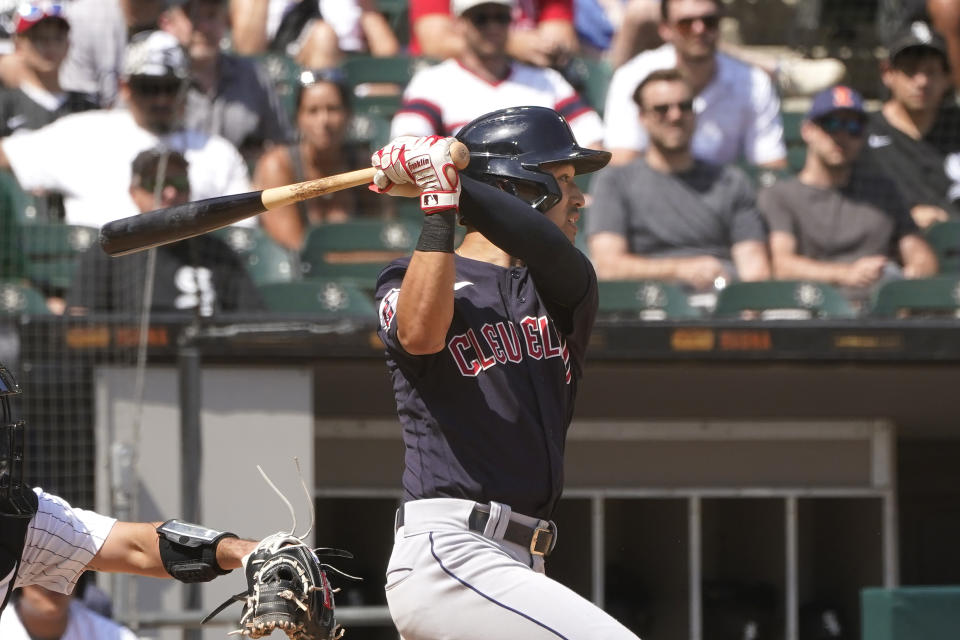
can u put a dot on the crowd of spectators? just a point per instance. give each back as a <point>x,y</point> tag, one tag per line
<point>109,108</point>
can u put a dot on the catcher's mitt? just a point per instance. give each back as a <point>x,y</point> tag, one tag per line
<point>287,589</point>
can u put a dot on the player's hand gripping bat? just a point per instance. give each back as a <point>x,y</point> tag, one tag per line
<point>163,226</point>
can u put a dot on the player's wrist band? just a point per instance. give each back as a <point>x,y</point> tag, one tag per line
<point>437,233</point>
<point>189,551</point>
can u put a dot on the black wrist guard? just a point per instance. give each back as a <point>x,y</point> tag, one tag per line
<point>189,551</point>
<point>437,233</point>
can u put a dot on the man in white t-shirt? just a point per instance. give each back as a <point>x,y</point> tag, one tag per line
<point>46,542</point>
<point>439,100</point>
<point>87,156</point>
<point>737,107</point>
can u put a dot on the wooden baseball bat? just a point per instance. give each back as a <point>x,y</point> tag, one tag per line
<point>163,226</point>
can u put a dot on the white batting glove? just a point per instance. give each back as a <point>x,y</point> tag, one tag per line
<point>424,162</point>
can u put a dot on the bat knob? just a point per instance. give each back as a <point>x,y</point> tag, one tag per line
<point>460,154</point>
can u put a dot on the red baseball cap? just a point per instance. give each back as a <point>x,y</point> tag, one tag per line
<point>31,13</point>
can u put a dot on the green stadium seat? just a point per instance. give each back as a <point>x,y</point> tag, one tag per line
<point>377,74</point>
<point>644,300</point>
<point>944,237</point>
<point>320,296</point>
<point>24,206</point>
<point>285,74</point>
<point>357,249</point>
<point>51,251</point>
<point>370,130</point>
<point>590,78</point>
<point>19,298</point>
<point>782,299</point>
<point>922,297</point>
<point>265,260</point>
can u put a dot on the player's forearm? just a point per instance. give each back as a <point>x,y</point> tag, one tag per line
<point>230,552</point>
<point>425,302</point>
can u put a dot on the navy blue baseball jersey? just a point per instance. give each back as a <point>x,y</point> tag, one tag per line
<point>486,418</point>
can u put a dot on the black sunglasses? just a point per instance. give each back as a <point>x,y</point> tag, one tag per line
<point>662,110</point>
<point>710,23</point>
<point>154,87</point>
<point>831,124</point>
<point>481,19</point>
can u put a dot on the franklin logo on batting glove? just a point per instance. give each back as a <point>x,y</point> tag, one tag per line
<point>424,162</point>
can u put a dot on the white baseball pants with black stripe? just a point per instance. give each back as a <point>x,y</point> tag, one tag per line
<point>445,581</point>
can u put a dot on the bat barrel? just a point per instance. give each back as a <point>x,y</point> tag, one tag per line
<point>163,226</point>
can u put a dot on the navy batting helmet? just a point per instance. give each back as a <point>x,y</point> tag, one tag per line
<point>509,148</point>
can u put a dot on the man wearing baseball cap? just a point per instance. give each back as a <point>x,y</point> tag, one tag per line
<point>41,40</point>
<point>87,156</point>
<point>838,221</point>
<point>915,137</point>
<point>440,99</point>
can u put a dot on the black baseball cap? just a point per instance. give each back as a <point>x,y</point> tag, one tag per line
<point>917,34</point>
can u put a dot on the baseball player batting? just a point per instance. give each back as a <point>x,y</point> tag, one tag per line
<point>485,346</point>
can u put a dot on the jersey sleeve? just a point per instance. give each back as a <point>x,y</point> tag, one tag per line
<point>763,141</point>
<point>388,290</point>
<point>61,542</point>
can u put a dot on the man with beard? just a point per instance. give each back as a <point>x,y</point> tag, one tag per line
<point>738,111</point>
<point>87,156</point>
<point>837,221</point>
<point>668,215</point>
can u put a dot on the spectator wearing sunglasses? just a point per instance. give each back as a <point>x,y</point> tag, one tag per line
<point>199,275</point>
<point>484,78</point>
<point>86,156</point>
<point>915,137</point>
<point>738,110</point>
<point>42,36</point>
<point>668,215</point>
<point>323,114</point>
<point>838,221</point>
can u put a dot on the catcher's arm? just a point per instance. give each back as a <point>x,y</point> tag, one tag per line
<point>133,547</point>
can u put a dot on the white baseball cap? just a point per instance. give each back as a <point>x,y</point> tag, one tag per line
<point>157,54</point>
<point>459,7</point>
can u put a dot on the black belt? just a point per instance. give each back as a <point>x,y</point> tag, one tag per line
<point>538,540</point>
